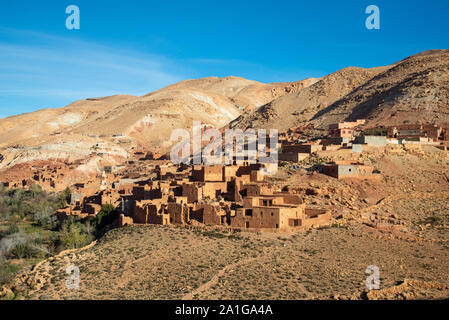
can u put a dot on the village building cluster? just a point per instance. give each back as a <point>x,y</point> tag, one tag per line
<point>149,189</point>
<point>234,196</point>
<point>50,175</point>
<point>354,137</point>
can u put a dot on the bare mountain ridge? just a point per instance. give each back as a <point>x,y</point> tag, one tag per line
<point>245,94</point>
<point>121,122</point>
<point>215,100</point>
<point>415,89</point>
<point>411,90</point>
<point>297,108</point>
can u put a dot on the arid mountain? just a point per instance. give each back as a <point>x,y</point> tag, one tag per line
<point>296,108</point>
<point>245,94</point>
<point>414,89</point>
<point>113,125</point>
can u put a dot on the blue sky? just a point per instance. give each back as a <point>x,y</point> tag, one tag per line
<point>135,47</point>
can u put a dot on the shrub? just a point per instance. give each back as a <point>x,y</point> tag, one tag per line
<point>73,235</point>
<point>10,242</point>
<point>7,272</point>
<point>35,190</point>
<point>213,234</point>
<point>24,250</point>
<point>106,216</point>
<point>13,228</point>
<point>64,198</point>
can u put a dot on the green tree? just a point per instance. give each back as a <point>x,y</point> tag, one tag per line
<point>64,198</point>
<point>106,216</point>
<point>73,235</point>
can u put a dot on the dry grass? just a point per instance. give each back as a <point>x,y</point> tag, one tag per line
<point>155,262</point>
<point>152,262</point>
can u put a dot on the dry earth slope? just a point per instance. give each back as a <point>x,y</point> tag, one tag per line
<point>411,90</point>
<point>147,121</point>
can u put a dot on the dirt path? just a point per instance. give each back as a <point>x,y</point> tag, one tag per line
<point>40,273</point>
<point>214,280</point>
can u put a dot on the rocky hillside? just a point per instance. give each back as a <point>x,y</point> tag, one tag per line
<point>299,107</point>
<point>245,94</point>
<point>411,90</point>
<point>414,89</point>
<point>114,125</point>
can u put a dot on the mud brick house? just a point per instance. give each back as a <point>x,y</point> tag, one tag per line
<point>125,185</point>
<point>192,192</point>
<point>93,198</point>
<point>210,214</point>
<point>247,169</point>
<point>91,208</point>
<point>179,213</point>
<point>230,172</point>
<point>146,192</point>
<point>212,190</point>
<point>256,189</point>
<point>63,214</point>
<point>150,212</point>
<point>292,156</point>
<point>208,173</point>
<point>314,218</point>
<point>295,152</point>
<point>302,148</point>
<point>273,212</point>
<point>265,213</point>
<point>433,132</point>
<point>127,203</point>
<point>225,173</point>
<point>256,176</point>
<point>197,191</point>
<point>110,196</point>
<point>233,191</point>
<point>335,141</point>
<point>348,169</point>
<point>165,171</point>
<point>375,131</point>
<point>344,129</point>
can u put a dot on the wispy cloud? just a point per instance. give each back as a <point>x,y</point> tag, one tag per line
<point>40,70</point>
<point>34,64</point>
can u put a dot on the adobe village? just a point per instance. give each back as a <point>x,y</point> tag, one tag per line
<point>362,179</point>
<point>152,191</point>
